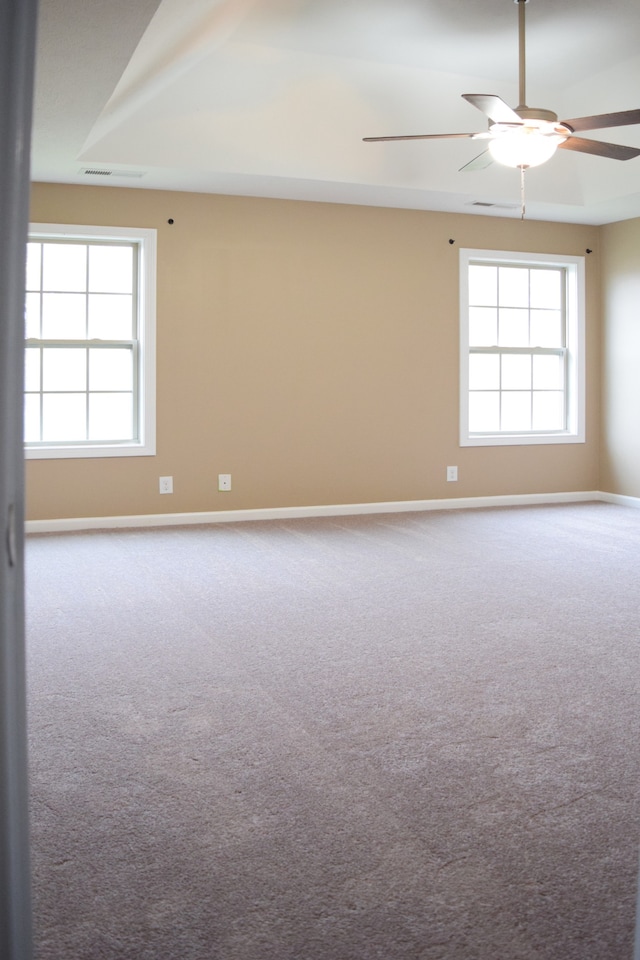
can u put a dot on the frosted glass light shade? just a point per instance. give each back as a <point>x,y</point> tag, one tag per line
<point>524,146</point>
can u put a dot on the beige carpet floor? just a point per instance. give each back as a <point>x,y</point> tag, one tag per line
<point>405,737</point>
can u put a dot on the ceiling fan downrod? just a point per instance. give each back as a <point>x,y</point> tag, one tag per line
<point>521,56</point>
<point>523,111</point>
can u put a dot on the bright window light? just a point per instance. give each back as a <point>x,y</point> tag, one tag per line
<point>521,348</point>
<point>90,342</point>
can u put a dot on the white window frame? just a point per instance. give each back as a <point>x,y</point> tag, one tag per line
<point>575,348</point>
<point>146,243</point>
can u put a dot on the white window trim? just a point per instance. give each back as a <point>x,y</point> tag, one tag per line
<point>576,327</point>
<point>146,238</point>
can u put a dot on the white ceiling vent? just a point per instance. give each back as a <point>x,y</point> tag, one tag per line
<point>102,172</point>
<point>497,206</point>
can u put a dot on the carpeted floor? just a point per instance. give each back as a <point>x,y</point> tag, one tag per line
<point>405,737</point>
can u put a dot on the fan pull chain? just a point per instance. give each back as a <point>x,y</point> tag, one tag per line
<point>522,203</point>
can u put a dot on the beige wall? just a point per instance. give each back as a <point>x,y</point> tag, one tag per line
<point>620,463</point>
<point>310,350</point>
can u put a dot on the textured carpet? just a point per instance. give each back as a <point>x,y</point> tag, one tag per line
<point>405,737</point>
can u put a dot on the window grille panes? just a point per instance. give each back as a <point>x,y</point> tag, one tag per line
<point>84,354</point>
<point>518,319</point>
<point>522,356</point>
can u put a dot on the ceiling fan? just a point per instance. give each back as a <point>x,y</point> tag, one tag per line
<point>527,136</point>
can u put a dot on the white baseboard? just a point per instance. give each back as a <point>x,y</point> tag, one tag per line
<point>621,500</point>
<point>331,510</point>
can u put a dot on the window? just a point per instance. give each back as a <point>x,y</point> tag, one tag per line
<point>521,348</point>
<point>90,342</point>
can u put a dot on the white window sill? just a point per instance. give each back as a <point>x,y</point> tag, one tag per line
<point>519,439</point>
<point>63,452</point>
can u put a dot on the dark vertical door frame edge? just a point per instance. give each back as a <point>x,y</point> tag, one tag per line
<point>17,67</point>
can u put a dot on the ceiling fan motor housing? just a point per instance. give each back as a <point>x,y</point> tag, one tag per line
<point>545,120</point>
<point>536,113</point>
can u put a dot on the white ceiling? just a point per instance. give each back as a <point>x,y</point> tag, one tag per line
<point>271,98</point>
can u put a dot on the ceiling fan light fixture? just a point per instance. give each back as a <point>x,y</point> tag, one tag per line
<point>526,146</point>
<point>525,136</point>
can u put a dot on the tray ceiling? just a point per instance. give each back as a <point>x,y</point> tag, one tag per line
<point>271,98</point>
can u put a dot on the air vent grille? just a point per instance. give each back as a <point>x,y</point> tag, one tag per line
<point>99,172</point>
<point>497,206</point>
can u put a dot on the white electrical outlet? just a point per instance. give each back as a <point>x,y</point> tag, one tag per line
<point>166,484</point>
<point>224,482</point>
<point>452,473</point>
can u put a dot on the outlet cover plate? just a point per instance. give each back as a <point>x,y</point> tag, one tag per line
<point>224,482</point>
